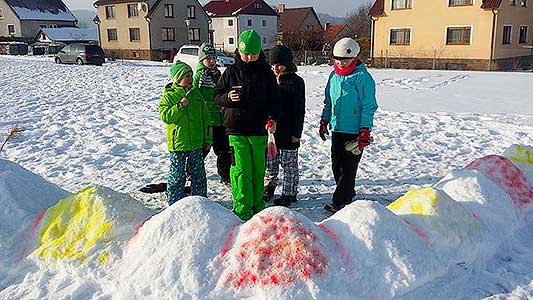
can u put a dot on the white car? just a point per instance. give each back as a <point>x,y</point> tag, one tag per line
<point>189,55</point>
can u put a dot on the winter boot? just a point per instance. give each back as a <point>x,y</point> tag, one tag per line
<point>333,208</point>
<point>285,200</point>
<point>269,192</point>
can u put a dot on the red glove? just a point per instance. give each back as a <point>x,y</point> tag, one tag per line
<point>323,131</point>
<point>364,139</point>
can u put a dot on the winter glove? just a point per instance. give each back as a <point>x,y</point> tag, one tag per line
<point>364,139</point>
<point>323,131</point>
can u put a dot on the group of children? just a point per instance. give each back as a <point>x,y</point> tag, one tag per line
<point>230,112</point>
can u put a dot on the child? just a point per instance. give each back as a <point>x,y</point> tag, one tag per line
<point>205,79</point>
<point>349,106</point>
<point>248,92</point>
<point>289,129</point>
<point>183,109</point>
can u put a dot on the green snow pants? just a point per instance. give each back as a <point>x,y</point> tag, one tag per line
<point>247,174</point>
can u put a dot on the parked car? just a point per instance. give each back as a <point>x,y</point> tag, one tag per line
<point>189,55</point>
<point>80,54</point>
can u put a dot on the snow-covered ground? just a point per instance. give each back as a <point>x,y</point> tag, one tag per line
<point>99,125</point>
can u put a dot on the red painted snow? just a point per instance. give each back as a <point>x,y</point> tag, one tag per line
<point>276,250</point>
<point>138,228</point>
<point>38,219</point>
<point>227,243</point>
<point>507,176</point>
<point>415,229</point>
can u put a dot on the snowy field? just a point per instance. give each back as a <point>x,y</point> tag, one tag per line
<point>99,125</point>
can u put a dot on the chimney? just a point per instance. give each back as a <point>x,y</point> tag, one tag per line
<point>327,26</point>
<point>281,8</point>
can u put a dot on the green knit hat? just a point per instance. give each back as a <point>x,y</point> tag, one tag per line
<point>249,42</point>
<point>179,70</point>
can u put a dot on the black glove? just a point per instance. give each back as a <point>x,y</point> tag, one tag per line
<point>323,131</point>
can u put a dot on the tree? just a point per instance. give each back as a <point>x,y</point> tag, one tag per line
<point>359,20</point>
<point>303,40</point>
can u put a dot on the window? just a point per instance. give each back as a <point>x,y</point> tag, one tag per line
<point>168,34</point>
<point>11,29</point>
<point>1,13</point>
<point>169,10</point>
<point>112,34</point>
<point>230,23</point>
<point>231,41</point>
<point>458,35</point>
<point>523,3</point>
<point>512,2</point>
<point>507,34</point>
<point>194,34</point>
<point>460,2</point>
<point>135,34</point>
<point>264,41</point>
<point>133,10</point>
<point>135,54</point>
<point>189,51</point>
<point>191,11</point>
<point>264,23</point>
<point>110,12</point>
<point>249,22</point>
<point>523,34</point>
<point>258,5</point>
<point>400,36</point>
<point>401,4</point>
<point>52,25</point>
<point>43,26</point>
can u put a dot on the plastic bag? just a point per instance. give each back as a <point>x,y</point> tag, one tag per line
<point>272,149</point>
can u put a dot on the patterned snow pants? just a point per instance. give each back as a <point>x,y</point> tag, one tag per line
<point>289,162</point>
<point>177,176</point>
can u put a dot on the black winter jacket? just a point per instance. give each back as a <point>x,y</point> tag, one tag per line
<point>258,98</point>
<point>292,107</point>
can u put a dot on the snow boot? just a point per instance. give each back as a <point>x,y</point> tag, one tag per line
<point>285,200</point>
<point>154,188</point>
<point>333,208</point>
<point>269,193</point>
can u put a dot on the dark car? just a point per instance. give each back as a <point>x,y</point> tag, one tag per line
<point>80,54</point>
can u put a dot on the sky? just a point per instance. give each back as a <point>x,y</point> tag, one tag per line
<point>336,8</point>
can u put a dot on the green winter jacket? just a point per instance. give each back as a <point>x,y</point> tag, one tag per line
<point>206,83</point>
<point>188,128</point>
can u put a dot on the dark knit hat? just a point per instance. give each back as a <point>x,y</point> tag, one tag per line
<point>281,55</point>
<point>206,50</point>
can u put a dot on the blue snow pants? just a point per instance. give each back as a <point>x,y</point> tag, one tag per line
<point>177,175</point>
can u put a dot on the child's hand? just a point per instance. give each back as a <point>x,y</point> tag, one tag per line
<point>184,102</point>
<point>323,131</point>
<point>271,126</point>
<point>234,95</point>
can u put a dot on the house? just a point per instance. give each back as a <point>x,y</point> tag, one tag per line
<point>24,18</point>
<point>67,35</point>
<point>298,20</point>
<point>149,29</point>
<point>231,17</point>
<point>334,33</point>
<point>452,34</point>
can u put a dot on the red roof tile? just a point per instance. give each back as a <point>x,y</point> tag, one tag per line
<point>220,8</point>
<point>333,31</point>
<point>377,9</point>
<point>492,4</point>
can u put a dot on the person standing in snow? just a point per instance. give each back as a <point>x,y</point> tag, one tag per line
<point>183,109</point>
<point>349,107</point>
<point>249,93</point>
<point>205,79</point>
<point>289,129</point>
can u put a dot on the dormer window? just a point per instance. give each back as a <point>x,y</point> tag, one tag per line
<point>258,5</point>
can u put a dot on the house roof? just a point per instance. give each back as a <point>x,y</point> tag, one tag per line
<point>491,4</point>
<point>291,19</point>
<point>105,2</point>
<point>333,31</point>
<point>225,8</point>
<point>50,10</point>
<point>67,34</point>
<point>377,9</point>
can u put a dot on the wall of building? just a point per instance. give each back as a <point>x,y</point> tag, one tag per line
<point>222,33</point>
<point>268,33</point>
<point>428,21</point>
<point>311,22</point>
<point>8,18</point>
<point>122,23</point>
<point>515,16</point>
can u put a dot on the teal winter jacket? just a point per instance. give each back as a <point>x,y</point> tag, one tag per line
<point>350,101</point>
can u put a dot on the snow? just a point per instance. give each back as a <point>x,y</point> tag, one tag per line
<point>438,217</point>
<point>70,34</point>
<point>49,15</point>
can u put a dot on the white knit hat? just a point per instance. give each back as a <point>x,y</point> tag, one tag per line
<point>346,48</point>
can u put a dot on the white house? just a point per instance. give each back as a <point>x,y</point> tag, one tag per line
<point>231,17</point>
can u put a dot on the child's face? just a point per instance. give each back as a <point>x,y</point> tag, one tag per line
<point>186,81</point>
<point>210,61</point>
<point>278,69</point>
<point>343,63</point>
<point>249,57</point>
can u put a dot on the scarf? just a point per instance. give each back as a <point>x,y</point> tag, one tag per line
<point>348,70</point>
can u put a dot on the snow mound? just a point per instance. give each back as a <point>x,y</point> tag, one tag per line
<point>522,157</point>
<point>87,227</point>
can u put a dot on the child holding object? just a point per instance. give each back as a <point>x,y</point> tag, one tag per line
<point>289,128</point>
<point>183,109</point>
<point>249,93</point>
<point>349,107</point>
